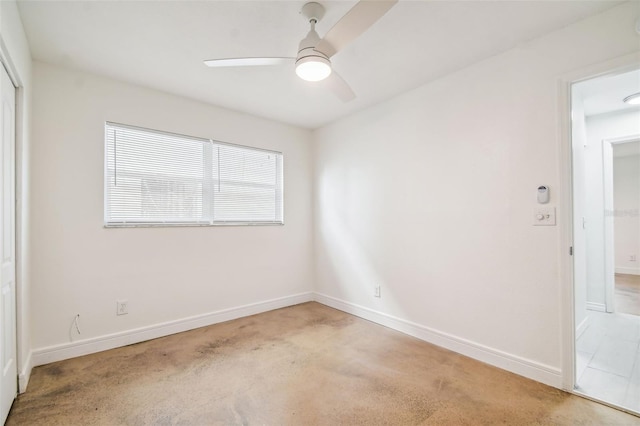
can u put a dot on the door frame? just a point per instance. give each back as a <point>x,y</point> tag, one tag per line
<point>565,218</point>
<point>607,171</point>
<point>9,385</point>
<point>24,364</point>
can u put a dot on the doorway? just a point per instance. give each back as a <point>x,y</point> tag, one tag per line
<point>606,215</point>
<point>622,231</point>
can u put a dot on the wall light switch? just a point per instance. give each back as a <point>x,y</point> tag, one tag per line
<point>544,216</point>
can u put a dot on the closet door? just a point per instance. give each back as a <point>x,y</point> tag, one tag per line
<point>8,365</point>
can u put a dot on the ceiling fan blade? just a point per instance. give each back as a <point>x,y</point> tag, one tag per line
<point>338,86</point>
<point>361,16</point>
<point>247,62</point>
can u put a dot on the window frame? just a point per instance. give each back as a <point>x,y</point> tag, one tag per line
<point>136,223</point>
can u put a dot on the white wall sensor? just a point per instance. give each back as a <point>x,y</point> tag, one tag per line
<point>543,194</point>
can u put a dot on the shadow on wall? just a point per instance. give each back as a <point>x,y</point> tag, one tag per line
<point>354,274</point>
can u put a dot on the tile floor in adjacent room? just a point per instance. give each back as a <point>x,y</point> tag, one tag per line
<point>608,359</point>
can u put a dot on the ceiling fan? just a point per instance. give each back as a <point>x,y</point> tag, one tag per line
<point>313,62</point>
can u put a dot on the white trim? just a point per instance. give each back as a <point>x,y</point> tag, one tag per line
<point>101,343</point>
<point>534,370</point>
<point>582,327</point>
<point>594,306</point>
<point>9,65</point>
<point>627,270</point>
<point>25,374</point>
<point>606,150</point>
<point>566,249</point>
<point>607,188</point>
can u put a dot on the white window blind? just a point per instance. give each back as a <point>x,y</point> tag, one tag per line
<point>158,178</point>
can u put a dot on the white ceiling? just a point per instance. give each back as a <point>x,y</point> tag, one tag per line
<point>161,44</point>
<point>605,94</point>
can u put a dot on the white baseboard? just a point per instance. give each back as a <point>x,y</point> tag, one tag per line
<point>518,365</point>
<point>627,270</point>
<point>582,326</point>
<point>533,370</point>
<point>97,344</point>
<point>593,306</point>
<point>25,373</point>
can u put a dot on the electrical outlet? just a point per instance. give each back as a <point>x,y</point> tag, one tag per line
<point>122,307</point>
<point>377,291</point>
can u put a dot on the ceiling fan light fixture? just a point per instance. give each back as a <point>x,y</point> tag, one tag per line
<point>313,68</point>
<point>633,99</point>
<point>313,61</point>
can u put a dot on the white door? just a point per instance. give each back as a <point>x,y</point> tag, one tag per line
<point>9,376</point>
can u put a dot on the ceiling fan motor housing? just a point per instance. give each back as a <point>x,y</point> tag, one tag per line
<point>312,65</point>
<point>313,11</point>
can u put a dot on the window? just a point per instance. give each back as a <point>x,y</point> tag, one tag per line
<point>158,178</point>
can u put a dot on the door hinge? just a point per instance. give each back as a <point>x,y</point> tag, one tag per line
<point>571,251</point>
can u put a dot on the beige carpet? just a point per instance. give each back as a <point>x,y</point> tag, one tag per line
<point>303,365</point>
<point>627,294</point>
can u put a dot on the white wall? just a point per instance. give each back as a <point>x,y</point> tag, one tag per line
<point>14,50</point>
<point>626,201</point>
<point>167,274</point>
<point>430,195</point>
<point>599,128</point>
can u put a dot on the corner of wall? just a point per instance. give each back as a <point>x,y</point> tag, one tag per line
<point>25,373</point>
<point>314,211</point>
